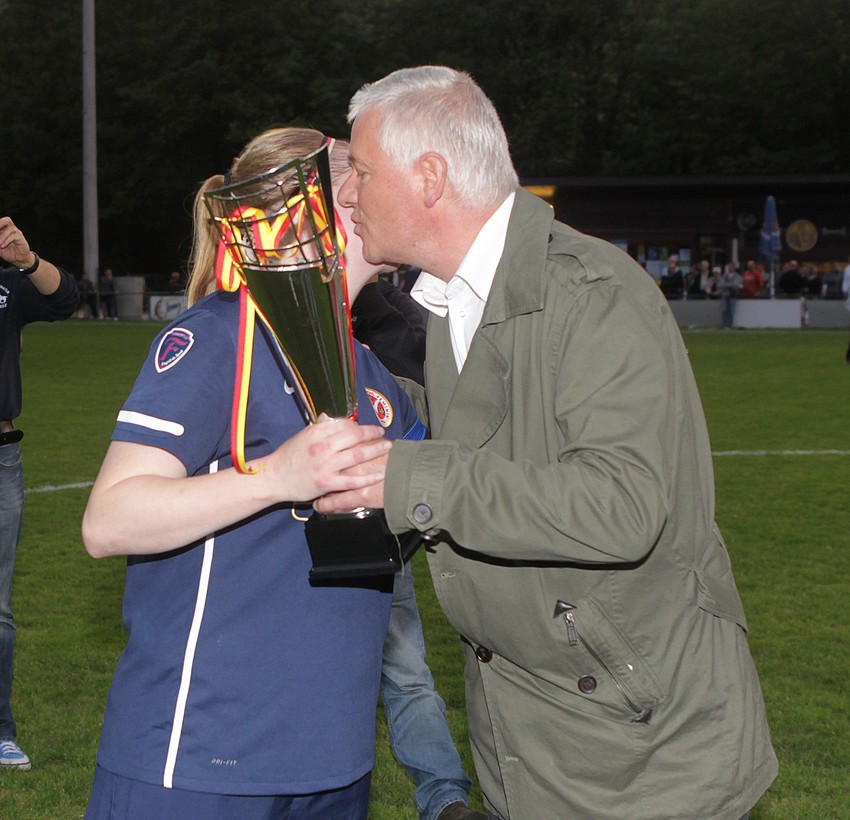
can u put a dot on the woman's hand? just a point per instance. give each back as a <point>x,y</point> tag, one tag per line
<point>328,457</point>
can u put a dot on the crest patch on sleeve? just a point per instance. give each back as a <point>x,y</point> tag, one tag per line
<point>382,407</point>
<point>173,347</point>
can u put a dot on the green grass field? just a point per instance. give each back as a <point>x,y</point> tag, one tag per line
<point>776,403</point>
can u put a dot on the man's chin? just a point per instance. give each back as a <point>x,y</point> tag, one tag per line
<point>374,257</point>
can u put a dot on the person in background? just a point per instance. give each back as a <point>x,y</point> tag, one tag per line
<point>812,282</point>
<point>31,290</point>
<point>673,281</point>
<point>175,282</point>
<point>389,322</point>
<point>566,494</point>
<point>752,282</point>
<point>699,281</point>
<point>108,296</point>
<point>88,295</point>
<point>791,280</point>
<point>408,274</point>
<point>730,286</point>
<point>832,281</point>
<point>244,690</point>
<point>713,289</point>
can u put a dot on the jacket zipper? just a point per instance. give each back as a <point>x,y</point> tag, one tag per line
<point>574,640</point>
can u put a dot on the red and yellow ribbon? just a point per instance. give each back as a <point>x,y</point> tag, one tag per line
<point>267,237</point>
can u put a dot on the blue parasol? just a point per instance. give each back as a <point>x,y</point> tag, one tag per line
<point>770,243</point>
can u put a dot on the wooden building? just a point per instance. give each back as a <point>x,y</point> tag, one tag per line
<point>718,218</point>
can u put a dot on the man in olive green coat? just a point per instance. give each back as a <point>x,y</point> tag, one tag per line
<point>567,492</point>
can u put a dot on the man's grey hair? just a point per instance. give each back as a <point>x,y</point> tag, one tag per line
<point>435,108</point>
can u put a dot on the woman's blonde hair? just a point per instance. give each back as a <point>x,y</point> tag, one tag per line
<point>269,150</point>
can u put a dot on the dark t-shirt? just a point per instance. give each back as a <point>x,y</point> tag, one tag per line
<point>390,323</point>
<point>21,303</point>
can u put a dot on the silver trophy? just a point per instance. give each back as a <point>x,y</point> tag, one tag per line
<point>279,239</point>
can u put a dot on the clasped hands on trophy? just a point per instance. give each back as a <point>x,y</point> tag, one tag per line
<point>367,472</point>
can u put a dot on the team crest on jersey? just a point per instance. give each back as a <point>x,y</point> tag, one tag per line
<point>173,347</point>
<point>382,407</point>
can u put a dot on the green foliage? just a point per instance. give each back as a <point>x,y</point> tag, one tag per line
<point>609,87</point>
<point>727,87</point>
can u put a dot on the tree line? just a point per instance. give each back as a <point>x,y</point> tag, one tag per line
<point>609,87</point>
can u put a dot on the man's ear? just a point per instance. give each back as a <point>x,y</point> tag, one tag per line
<point>434,172</point>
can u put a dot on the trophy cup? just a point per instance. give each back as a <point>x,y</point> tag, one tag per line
<point>279,247</point>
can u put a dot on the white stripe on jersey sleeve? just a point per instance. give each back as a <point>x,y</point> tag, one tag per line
<point>151,422</point>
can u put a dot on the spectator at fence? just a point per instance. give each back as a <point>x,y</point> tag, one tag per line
<point>700,277</point>
<point>832,280</point>
<point>88,296</point>
<point>673,281</point>
<point>32,290</point>
<point>752,281</point>
<point>107,294</point>
<point>175,282</point>
<point>730,287</point>
<point>713,288</point>
<point>791,280</point>
<point>812,282</point>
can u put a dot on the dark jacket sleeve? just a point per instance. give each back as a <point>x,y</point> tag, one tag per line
<point>389,323</point>
<point>61,304</point>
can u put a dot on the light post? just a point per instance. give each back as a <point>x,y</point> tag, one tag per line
<point>91,256</point>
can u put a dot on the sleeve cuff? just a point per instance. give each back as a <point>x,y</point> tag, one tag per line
<point>413,488</point>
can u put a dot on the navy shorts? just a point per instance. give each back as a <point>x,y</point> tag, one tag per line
<point>120,798</point>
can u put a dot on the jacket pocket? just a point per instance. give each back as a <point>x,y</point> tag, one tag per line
<point>715,590</point>
<point>10,456</point>
<point>612,670</point>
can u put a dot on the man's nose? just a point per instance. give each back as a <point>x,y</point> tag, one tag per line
<point>346,195</point>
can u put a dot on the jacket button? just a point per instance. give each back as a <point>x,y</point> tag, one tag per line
<point>587,684</point>
<point>484,654</point>
<point>422,513</point>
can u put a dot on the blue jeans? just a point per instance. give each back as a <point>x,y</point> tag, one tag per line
<point>11,515</point>
<point>416,714</point>
<point>728,309</point>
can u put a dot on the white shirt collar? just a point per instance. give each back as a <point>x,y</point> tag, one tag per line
<point>478,267</point>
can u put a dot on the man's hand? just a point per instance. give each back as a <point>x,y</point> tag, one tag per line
<point>14,247</point>
<point>371,496</point>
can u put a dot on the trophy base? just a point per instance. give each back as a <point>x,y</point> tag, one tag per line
<point>356,544</point>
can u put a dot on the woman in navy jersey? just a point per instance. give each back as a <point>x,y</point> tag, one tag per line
<point>243,691</point>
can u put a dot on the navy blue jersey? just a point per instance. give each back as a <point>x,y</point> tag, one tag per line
<point>239,676</point>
